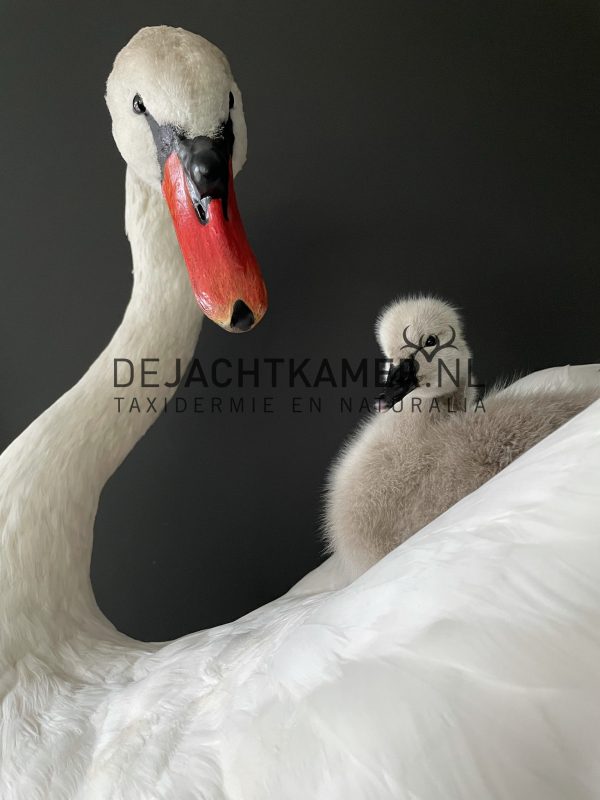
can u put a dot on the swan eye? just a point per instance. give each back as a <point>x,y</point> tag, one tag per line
<point>230,100</point>
<point>138,105</point>
<point>431,341</point>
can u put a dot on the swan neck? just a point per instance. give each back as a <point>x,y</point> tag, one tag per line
<point>160,327</point>
<point>52,475</point>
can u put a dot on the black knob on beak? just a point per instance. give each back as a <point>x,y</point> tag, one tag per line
<point>242,319</point>
<point>206,162</point>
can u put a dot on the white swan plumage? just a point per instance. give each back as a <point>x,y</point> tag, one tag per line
<point>463,665</point>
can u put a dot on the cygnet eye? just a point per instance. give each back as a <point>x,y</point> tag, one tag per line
<point>431,341</point>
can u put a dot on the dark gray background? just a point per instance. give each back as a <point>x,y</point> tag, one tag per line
<point>394,146</point>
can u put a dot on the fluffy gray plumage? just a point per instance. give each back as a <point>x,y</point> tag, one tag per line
<point>405,467</point>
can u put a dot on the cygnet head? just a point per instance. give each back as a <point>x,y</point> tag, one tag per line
<point>423,338</point>
<point>178,122</point>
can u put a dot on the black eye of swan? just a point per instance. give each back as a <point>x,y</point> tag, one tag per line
<point>230,99</point>
<point>138,105</point>
<point>431,341</point>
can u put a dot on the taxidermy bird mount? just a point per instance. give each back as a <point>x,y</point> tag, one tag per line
<point>437,440</point>
<point>178,122</point>
<point>326,692</point>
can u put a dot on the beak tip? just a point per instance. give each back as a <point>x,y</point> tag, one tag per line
<point>242,318</point>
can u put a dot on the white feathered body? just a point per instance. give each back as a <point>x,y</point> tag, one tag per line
<point>462,665</point>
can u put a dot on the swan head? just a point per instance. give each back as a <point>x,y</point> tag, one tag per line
<point>423,339</point>
<point>179,124</point>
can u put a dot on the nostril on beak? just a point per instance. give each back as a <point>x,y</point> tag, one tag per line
<point>242,319</point>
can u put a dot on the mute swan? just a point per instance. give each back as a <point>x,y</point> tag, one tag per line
<point>438,443</point>
<point>333,692</point>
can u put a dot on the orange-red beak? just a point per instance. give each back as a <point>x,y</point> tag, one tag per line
<point>224,272</point>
